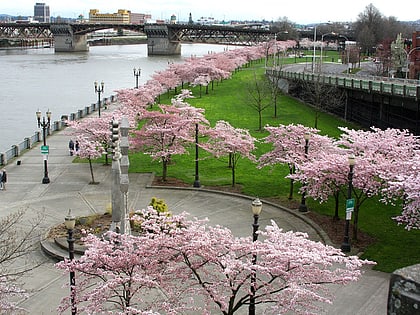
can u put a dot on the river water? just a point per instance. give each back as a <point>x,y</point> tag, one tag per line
<point>64,82</point>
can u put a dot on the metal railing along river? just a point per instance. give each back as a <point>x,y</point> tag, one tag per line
<point>17,149</point>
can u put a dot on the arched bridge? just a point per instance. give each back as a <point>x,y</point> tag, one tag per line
<point>162,39</point>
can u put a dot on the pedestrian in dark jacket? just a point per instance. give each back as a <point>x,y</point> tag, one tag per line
<point>71,146</point>
<point>3,179</point>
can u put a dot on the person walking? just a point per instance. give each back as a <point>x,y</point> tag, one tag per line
<point>3,179</point>
<point>71,146</point>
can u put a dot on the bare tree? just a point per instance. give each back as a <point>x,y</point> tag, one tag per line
<point>259,96</point>
<point>322,97</point>
<point>19,239</point>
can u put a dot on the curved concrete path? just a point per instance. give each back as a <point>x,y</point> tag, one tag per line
<point>69,188</point>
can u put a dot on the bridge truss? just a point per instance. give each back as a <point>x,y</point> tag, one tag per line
<point>25,31</point>
<point>214,34</point>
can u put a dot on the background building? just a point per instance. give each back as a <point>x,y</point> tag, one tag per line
<point>42,13</point>
<point>139,18</point>
<point>122,16</point>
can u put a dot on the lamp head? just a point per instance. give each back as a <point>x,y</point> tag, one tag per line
<point>352,160</point>
<point>307,135</point>
<point>70,221</point>
<point>256,206</point>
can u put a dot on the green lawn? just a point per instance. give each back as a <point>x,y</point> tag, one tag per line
<point>395,247</point>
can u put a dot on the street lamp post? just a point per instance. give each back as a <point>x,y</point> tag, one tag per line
<point>302,206</point>
<point>347,52</point>
<point>99,90</point>
<point>345,246</point>
<point>70,222</point>
<point>256,207</point>
<point>137,73</point>
<point>313,57</point>
<point>322,43</point>
<point>45,126</point>
<point>196,180</point>
<point>408,60</point>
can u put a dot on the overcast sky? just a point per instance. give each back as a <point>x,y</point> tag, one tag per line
<point>300,11</point>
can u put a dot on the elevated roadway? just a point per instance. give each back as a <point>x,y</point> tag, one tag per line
<point>162,39</point>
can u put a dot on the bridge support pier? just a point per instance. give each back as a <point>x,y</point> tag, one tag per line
<point>66,41</point>
<point>159,41</point>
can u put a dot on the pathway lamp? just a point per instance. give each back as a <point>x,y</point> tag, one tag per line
<point>408,60</point>
<point>99,89</point>
<point>137,73</point>
<point>345,246</point>
<point>322,44</point>
<point>256,207</point>
<point>196,179</point>
<point>302,206</point>
<point>45,125</point>
<point>70,222</point>
<point>313,57</point>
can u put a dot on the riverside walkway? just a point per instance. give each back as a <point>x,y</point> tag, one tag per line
<point>69,188</point>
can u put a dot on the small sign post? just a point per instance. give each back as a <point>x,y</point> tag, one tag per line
<point>45,149</point>
<point>349,208</point>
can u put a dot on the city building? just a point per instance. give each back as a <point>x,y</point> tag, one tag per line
<point>140,18</point>
<point>42,13</point>
<point>121,17</point>
<point>206,20</point>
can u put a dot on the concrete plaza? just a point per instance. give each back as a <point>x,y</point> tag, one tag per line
<point>69,188</point>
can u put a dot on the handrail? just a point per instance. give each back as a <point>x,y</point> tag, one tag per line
<point>399,87</point>
<point>28,143</point>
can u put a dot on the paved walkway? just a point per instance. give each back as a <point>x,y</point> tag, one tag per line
<point>69,188</point>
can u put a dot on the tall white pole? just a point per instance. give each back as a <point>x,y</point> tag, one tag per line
<point>313,57</point>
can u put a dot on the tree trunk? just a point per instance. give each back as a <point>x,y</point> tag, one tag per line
<point>164,169</point>
<point>336,198</point>
<point>233,169</point>
<point>291,171</point>
<point>91,171</point>
<point>356,218</point>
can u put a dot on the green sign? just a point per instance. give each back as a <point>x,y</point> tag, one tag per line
<point>350,205</point>
<point>45,149</point>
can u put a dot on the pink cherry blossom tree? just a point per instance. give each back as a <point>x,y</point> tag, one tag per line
<point>225,139</point>
<point>325,176</point>
<point>408,185</point>
<point>288,143</point>
<point>177,264</point>
<point>168,131</point>
<point>94,129</point>
<point>168,79</point>
<point>90,150</point>
<point>380,157</point>
<point>384,160</point>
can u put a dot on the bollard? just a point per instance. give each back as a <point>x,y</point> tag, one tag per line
<point>404,291</point>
